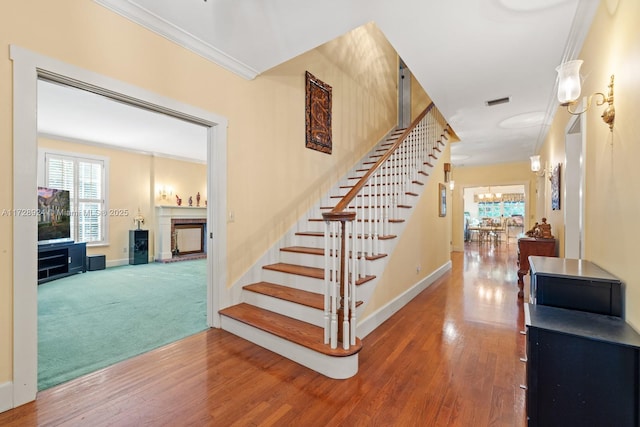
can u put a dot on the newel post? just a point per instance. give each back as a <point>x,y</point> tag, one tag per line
<point>337,328</point>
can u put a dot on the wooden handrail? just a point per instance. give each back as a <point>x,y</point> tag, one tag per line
<point>346,200</point>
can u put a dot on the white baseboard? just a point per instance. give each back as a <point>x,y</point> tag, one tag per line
<point>6,396</point>
<point>117,262</point>
<point>376,319</point>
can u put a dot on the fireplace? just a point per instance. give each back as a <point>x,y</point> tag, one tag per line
<point>180,233</point>
<point>187,236</point>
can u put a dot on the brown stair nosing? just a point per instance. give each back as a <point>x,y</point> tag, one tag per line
<point>409,193</point>
<point>321,234</point>
<point>313,272</point>
<point>363,195</point>
<point>392,220</point>
<point>386,174</point>
<point>417,182</point>
<point>423,173</point>
<point>286,293</point>
<point>300,270</point>
<point>303,250</point>
<point>428,164</point>
<point>296,331</point>
<point>320,252</point>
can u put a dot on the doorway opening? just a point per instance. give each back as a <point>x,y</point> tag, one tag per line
<point>28,67</point>
<point>79,130</point>
<point>494,214</point>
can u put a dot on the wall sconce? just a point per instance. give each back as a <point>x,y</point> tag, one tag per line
<point>165,192</point>
<point>452,185</point>
<point>447,172</point>
<point>536,168</point>
<point>569,91</point>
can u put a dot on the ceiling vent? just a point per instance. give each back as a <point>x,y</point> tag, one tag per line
<point>497,101</point>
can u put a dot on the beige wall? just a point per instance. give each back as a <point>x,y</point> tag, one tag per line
<point>612,174</point>
<point>134,180</point>
<point>484,176</point>
<point>272,178</point>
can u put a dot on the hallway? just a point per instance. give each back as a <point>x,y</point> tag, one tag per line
<point>448,358</point>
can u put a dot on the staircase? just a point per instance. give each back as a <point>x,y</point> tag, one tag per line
<point>306,295</point>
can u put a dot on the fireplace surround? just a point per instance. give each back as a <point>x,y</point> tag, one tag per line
<point>180,222</point>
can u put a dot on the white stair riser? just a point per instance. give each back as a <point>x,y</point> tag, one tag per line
<point>307,260</point>
<point>277,305</point>
<point>318,242</point>
<point>332,367</point>
<point>295,281</point>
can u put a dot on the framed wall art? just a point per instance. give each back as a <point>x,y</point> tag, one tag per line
<point>318,114</point>
<point>442,200</point>
<point>555,188</point>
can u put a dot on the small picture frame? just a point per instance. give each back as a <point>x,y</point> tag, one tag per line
<point>555,188</point>
<point>442,200</point>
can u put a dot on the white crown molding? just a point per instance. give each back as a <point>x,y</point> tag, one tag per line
<point>582,20</point>
<point>152,22</point>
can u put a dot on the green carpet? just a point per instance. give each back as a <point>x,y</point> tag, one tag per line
<point>92,320</point>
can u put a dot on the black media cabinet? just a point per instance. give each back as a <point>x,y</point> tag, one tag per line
<point>56,260</point>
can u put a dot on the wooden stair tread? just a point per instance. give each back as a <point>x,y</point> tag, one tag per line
<point>300,270</point>
<point>298,296</point>
<point>392,220</point>
<point>286,293</point>
<point>321,234</point>
<point>313,272</point>
<point>303,250</point>
<point>293,330</point>
<point>320,252</point>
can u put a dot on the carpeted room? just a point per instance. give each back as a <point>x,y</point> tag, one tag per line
<point>89,321</point>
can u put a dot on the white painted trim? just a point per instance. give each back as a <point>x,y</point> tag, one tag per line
<point>118,148</point>
<point>368,325</point>
<point>26,67</point>
<point>6,396</point>
<point>158,25</point>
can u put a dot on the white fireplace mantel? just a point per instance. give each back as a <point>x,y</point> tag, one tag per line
<point>164,215</point>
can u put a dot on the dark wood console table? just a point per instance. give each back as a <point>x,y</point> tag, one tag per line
<point>575,284</point>
<point>528,246</point>
<point>582,369</point>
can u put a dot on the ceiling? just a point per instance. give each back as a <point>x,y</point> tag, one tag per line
<point>463,52</point>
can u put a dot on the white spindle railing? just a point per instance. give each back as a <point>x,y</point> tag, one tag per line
<point>353,230</point>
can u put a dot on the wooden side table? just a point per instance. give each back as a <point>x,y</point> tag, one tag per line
<point>528,246</point>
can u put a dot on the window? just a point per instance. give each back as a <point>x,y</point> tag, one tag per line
<point>85,178</point>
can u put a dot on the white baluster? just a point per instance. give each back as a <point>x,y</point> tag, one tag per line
<point>370,236</point>
<point>327,281</point>
<point>334,278</point>
<point>362,258</point>
<point>345,297</point>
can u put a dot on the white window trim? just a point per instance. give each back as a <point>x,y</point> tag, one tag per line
<point>41,174</point>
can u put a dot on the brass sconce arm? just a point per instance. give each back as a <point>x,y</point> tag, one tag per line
<point>609,114</point>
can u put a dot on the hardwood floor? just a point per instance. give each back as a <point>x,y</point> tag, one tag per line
<point>448,358</point>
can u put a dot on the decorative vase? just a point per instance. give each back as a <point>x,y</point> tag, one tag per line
<point>190,201</point>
